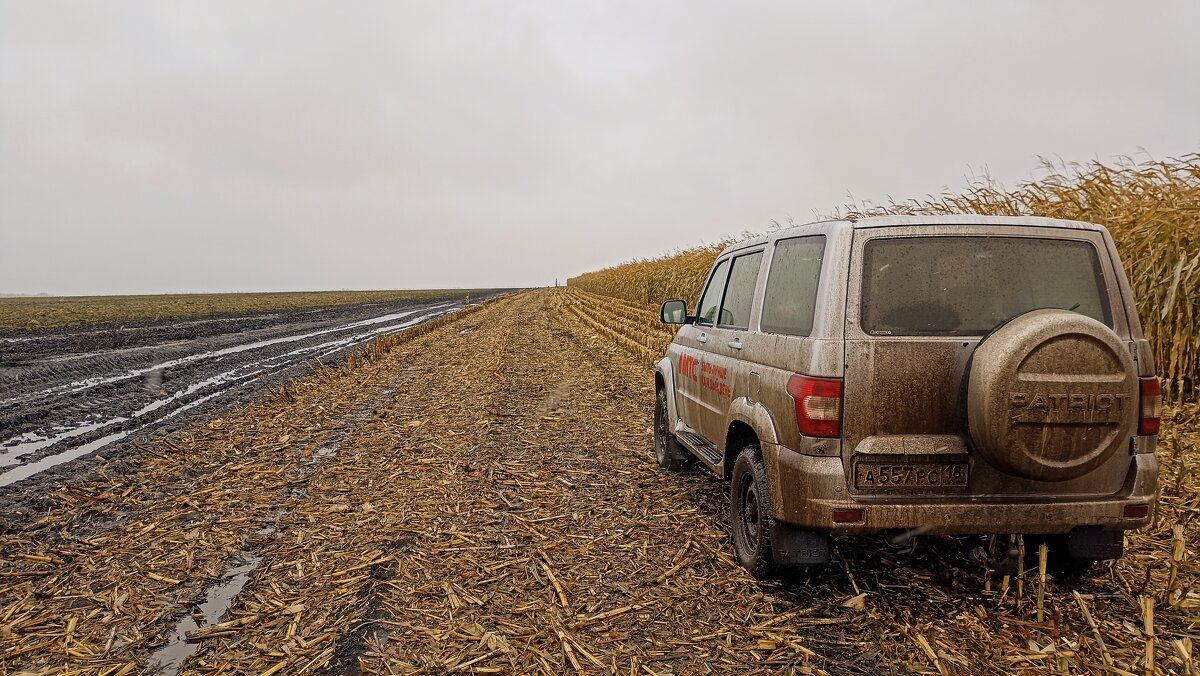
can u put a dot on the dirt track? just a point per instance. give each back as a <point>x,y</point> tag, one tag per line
<point>483,498</point>
<point>67,393</point>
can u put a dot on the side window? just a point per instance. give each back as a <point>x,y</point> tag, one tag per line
<point>791,296</point>
<point>707,309</point>
<point>739,292</point>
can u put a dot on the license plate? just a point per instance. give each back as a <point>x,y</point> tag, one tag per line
<point>910,475</point>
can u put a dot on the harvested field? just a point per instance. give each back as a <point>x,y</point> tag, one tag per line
<point>479,495</point>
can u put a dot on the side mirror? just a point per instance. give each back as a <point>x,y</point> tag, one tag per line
<point>673,312</point>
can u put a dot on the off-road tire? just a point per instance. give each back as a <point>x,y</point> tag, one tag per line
<point>667,450</point>
<point>750,514</point>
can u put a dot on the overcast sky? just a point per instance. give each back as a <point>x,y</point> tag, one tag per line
<point>208,146</point>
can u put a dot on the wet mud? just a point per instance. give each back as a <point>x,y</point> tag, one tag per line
<point>69,397</point>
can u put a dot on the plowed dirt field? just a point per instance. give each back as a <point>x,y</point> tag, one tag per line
<point>479,495</point>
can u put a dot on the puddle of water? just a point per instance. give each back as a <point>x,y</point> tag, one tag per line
<point>193,404</point>
<point>169,658</point>
<point>11,454</point>
<point>25,471</point>
<point>219,379</point>
<point>12,450</point>
<point>271,526</point>
<point>384,318</point>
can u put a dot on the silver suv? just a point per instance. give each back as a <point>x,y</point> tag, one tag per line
<point>912,375</point>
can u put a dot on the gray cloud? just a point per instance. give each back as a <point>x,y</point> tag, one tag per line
<point>199,146</point>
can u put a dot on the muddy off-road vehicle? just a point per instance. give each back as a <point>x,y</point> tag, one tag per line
<point>916,375</point>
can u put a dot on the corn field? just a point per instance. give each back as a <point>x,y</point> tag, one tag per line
<point>1151,207</point>
<point>649,282</point>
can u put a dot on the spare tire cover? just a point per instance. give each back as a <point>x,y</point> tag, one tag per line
<point>1051,395</point>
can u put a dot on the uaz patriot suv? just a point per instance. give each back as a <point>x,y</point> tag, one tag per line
<point>909,375</point>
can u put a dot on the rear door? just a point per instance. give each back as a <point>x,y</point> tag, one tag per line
<point>919,300</point>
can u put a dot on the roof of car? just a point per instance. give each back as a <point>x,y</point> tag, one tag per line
<point>900,221</point>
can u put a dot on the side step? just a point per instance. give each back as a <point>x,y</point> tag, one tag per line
<point>707,452</point>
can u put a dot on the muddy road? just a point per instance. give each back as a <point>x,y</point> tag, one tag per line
<point>70,393</point>
<point>481,496</point>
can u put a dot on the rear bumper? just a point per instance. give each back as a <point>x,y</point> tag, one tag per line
<point>805,491</point>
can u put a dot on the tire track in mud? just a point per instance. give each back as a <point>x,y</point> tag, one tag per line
<point>218,596</point>
<point>338,548</point>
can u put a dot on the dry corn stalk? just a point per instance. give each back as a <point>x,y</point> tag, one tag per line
<point>1151,207</point>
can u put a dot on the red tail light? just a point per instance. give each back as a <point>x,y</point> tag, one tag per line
<point>847,515</point>
<point>818,405</point>
<point>1138,511</point>
<point>1151,406</point>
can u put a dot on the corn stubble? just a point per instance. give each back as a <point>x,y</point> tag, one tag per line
<point>493,506</point>
<point>1152,209</point>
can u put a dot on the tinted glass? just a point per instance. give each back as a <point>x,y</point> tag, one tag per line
<point>969,285</point>
<point>739,293</point>
<point>707,309</point>
<point>791,296</point>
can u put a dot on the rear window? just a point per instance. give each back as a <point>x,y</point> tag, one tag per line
<point>952,285</point>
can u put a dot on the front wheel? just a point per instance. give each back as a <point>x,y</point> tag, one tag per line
<point>667,449</point>
<point>750,515</point>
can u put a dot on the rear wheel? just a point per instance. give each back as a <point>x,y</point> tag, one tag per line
<point>750,515</point>
<point>667,449</point>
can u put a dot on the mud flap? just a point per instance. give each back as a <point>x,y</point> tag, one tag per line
<point>1094,542</point>
<point>791,546</point>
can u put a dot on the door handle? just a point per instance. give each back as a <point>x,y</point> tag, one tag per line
<point>735,344</point>
<point>701,338</point>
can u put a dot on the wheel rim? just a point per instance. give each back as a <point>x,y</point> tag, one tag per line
<point>748,513</point>
<point>660,429</point>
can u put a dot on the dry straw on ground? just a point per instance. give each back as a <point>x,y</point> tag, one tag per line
<point>1152,209</point>
<point>480,496</point>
